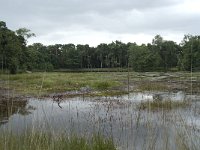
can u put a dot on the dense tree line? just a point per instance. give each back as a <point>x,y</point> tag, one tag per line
<point>160,55</point>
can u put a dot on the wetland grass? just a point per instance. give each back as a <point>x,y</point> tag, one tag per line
<point>45,83</point>
<point>46,141</point>
<point>114,115</point>
<point>152,86</point>
<point>46,137</point>
<point>165,104</point>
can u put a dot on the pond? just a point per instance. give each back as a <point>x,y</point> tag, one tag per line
<point>118,117</point>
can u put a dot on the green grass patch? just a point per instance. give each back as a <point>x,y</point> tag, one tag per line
<point>102,85</point>
<point>44,83</point>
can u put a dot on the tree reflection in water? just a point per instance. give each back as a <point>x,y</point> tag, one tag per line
<point>11,106</point>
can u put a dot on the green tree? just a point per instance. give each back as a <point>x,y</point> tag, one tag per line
<point>166,52</point>
<point>141,58</point>
<point>102,52</point>
<point>169,54</point>
<point>158,40</point>
<point>25,33</point>
<point>69,56</point>
<point>190,56</point>
<point>84,55</point>
<point>10,48</point>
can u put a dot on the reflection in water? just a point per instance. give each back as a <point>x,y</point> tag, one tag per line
<point>9,107</point>
<point>116,117</point>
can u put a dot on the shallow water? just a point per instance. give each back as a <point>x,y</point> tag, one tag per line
<point>116,117</point>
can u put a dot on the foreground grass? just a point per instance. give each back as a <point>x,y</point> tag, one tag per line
<point>45,141</point>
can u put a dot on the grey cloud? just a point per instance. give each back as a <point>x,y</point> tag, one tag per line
<point>54,8</point>
<point>110,16</point>
<point>87,5</point>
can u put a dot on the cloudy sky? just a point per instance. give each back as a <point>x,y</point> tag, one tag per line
<point>102,21</point>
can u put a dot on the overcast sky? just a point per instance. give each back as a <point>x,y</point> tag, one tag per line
<point>102,21</point>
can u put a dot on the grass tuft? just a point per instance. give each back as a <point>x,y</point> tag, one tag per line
<point>165,104</point>
<point>152,86</point>
<point>101,85</point>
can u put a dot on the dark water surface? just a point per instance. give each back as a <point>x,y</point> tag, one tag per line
<point>117,117</point>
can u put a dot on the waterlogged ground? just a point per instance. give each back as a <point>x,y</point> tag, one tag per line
<point>43,83</point>
<point>119,117</point>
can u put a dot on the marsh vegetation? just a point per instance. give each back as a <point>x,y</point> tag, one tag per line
<point>43,83</point>
<point>160,112</point>
<point>49,141</point>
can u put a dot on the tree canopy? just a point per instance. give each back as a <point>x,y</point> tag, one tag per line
<point>160,55</point>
